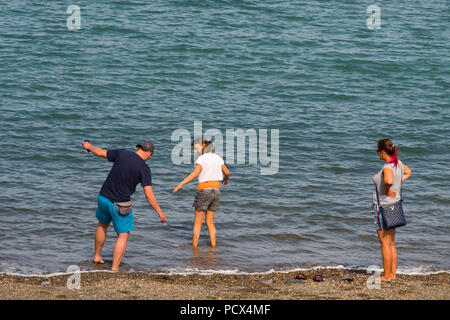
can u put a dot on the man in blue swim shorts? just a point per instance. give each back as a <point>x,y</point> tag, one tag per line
<point>114,203</point>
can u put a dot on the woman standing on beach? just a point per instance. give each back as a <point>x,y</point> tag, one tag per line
<point>208,167</point>
<point>388,182</point>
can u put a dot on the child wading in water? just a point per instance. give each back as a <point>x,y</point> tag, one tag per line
<point>208,167</point>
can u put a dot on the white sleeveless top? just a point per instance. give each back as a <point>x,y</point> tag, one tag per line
<point>211,167</point>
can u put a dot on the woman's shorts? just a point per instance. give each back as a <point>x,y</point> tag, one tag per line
<point>207,200</point>
<point>107,212</point>
<point>378,217</point>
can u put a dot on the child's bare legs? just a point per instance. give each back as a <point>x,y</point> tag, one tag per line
<point>211,227</point>
<point>198,221</point>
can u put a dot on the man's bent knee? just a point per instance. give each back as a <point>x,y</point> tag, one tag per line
<point>123,234</point>
<point>103,225</point>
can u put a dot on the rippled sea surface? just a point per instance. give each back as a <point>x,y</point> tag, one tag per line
<point>143,69</point>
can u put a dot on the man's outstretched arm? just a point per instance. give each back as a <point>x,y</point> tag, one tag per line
<point>153,203</point>
<point>99,152</point>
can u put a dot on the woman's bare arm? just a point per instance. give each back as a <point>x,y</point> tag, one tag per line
<point>189,178</point>
<point>388,182</point>
<point>406,172</point>
<point>226,173</point>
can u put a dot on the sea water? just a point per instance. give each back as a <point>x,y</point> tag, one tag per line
<point>323,73</point>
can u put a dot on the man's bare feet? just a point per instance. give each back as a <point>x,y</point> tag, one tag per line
<point>98,261</point>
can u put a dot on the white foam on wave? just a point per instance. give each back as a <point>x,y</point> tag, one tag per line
<point>55,274</point>
<point>421,270</point>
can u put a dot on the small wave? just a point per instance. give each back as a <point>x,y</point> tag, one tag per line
<point>55,274</point>
<point>421,271</point>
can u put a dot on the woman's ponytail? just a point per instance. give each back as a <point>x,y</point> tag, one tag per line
<point>206,144</point>
<point>390,149</point>
<point>394,157</point>
<point>209,147</point>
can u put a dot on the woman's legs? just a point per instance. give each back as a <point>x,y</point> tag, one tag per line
<point>388,253</point>
<point>394,256</point>
<point>198,221</point>
<point>211,227</point>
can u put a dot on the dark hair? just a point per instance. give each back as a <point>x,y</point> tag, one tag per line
<point>206,144</point>
<point>388,146</point>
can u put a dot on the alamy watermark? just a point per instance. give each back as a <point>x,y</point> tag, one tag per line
<point>374,281</point>
<point>258,146</point>
<point>374,21</point>
<point>73,22</point>
<point>74,281</point>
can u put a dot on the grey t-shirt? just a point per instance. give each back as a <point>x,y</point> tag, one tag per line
<point>378,181</point>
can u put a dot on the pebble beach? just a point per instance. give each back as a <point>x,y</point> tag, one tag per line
<point>268,286</point>
<point>294,94</point>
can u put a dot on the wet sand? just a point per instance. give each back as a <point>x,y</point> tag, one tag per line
<point>273,286</point>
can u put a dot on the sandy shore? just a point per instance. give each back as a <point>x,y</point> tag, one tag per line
<point>273,286</point>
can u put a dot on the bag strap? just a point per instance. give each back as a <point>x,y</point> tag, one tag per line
<point>378,197</point>
<point>123,204</point>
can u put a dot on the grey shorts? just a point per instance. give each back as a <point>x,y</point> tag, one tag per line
<point>207,199</point>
